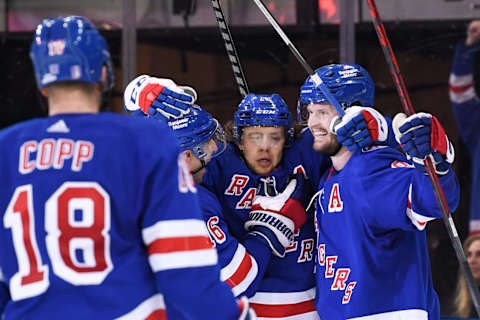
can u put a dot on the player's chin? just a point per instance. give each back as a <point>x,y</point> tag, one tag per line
<point>329,148</point>
<point>262,170</point>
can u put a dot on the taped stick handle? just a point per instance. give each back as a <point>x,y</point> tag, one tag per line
<point>230,47</point>
<point>439,195</point>
<point>315,78</point>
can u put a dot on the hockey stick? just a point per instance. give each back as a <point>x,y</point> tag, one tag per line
<point>315,78</point>
<point>439,195</point>
<point>230,47</point>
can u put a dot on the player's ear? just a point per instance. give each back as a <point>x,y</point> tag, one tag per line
<point>44,92</point>
<point>103,79</point>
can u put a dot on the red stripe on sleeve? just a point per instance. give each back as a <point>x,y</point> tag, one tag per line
<point>241,272</point>
<point>460,89</point>
<point>282,310</point>
<point>167,245</point>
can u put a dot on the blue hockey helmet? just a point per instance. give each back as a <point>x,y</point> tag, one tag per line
<point>350,84</point>
<point>196,128</point>
<point>70,49</point>
<point>262,110</point>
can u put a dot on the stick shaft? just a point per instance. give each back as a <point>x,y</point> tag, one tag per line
<point>439,195</point>
<point>230,47</point>
<point>315,78</point>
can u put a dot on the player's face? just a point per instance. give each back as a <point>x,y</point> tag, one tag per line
<point>473,258</point>
<point>210,148</point>
<point>262,147</point>
<point>319,118</point>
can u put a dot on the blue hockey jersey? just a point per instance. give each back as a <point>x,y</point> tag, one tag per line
<point>466,108</point>
<point>287,288</point>
<point>100,223</point>
<point>243,264</point>
<point>371,248</point>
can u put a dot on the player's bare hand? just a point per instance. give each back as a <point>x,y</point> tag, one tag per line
<point>473,32</point>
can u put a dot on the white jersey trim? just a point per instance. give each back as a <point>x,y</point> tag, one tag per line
<point>230,269</point>
<point>173,229</point>
<point>183,259</point>
<point>460,81</point>
<point>145,309</point>
<point>410,314</point>
<point>2,278</point>
<point>457,82</point>
<point>283,297</point>
<point>474,226</point>
<point>417,219</point>
<point>304,316</point>
<point>464,96</point>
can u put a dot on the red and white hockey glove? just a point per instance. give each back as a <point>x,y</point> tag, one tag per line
<point>360,127</point>
<point>158,97</point>
<point>275,218</point>
<point>421,135</point>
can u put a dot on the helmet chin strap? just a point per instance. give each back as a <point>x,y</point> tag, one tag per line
<point>203,165</point>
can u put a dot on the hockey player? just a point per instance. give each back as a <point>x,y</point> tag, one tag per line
<point>373,206</point>
<point>98,222</point>
<point>466,108</point>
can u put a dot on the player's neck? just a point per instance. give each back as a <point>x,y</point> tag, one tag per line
<point>340,159</point>
<point>73,102</point>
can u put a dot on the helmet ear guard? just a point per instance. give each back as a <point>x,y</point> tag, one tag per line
<point>262,110</point>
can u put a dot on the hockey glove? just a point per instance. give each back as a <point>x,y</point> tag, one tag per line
<point>275,218</point>
<point>422,135</point>
<point>360,127</point>
<point>158,97</point>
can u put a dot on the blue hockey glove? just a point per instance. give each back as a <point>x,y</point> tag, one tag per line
<point>275,218</point>
<point>421,135</point>
<point>158,97</point>
<point>360,127</point>
<point>246,312</point>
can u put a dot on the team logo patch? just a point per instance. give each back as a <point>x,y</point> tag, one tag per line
<point>401,164</point>
<point>56,47</point>
<point>53,68</point>
<point>75,72</point>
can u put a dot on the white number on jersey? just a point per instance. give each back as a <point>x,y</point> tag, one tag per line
<point>77,221</point>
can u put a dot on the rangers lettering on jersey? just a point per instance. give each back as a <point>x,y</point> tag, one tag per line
<point>339,275</point>
<point>247,199</point>
<point>236,186</point>
<point>306,253</point>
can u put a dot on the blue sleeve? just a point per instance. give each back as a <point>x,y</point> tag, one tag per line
<point>242,264</point>
<point>423,196</point>
<point>179,248</point>
<point>465,103</point>
<point>406,194</point>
